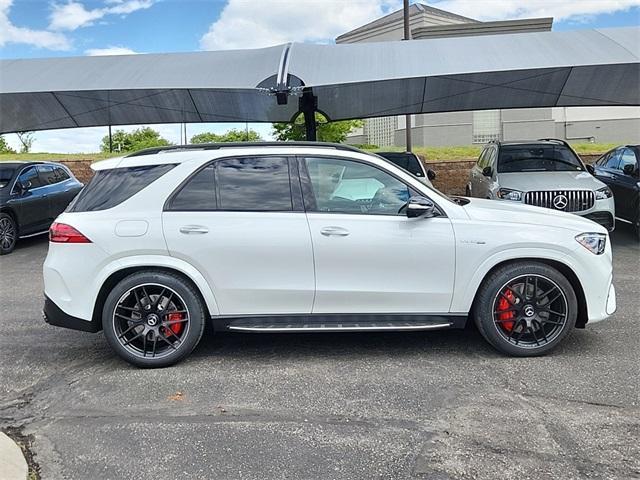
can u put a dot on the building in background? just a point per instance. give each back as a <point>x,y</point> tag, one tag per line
<point>578,124</point>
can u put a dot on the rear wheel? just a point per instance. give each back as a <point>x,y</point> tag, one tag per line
<point>8,234</point>
<point>525,309</point>
<point>153,319</point>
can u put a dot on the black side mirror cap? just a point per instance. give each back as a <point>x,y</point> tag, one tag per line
<point>487,171</point>
<point>418,206</point>
<point>629,169</point>
<point>590,169</point>
<point>431,175</point>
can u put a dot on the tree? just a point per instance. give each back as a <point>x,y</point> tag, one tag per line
<point>4,146</point>
<point>233,135</point>
<point>140,138</point>
<point>326,131</point>
<point>26,139</point>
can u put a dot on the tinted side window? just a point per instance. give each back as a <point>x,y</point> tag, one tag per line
<point>627,158</point>
<point>61,174</point>
<point>109,188</point>
<point>197,194</point>
<point>253,184</point>
<point>481,159</point>
<point>345,186</point>
<point>47,175</point>
<point>602,161</point>
<point>30,177</point>
<point>614,160</point>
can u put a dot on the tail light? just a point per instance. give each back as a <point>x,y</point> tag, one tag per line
<point>63,233</point>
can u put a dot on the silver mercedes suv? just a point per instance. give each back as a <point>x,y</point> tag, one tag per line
<point>545,173</point>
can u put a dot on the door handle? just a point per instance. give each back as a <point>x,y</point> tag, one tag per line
<point>334,231</point>
<point>193,229</point>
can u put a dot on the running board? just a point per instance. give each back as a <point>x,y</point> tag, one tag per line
<point>301,324</point>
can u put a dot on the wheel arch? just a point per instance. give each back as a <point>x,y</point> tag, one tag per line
<point>205,294</point>
<point>12,213</point>
<point>563,268</point>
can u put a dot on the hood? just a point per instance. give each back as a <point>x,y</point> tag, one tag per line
<point>532,181</point>
<point>513,212</point>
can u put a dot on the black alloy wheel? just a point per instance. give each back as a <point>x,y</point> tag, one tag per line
<point>525,308</point>
<point>8,234</point>
<point>153,319</point>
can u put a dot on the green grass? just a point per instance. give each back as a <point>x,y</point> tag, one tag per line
<point>55,156</point>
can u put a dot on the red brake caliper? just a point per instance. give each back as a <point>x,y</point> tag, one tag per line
<point>175,327</point>
<point>503,304</point>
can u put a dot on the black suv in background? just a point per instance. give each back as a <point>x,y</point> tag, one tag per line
<point>32,195</point>
<point>619,169</point>
<point>411,163</point>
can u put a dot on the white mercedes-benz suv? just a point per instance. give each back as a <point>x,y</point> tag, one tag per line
<point>545,173</point>
<point>295,237</point>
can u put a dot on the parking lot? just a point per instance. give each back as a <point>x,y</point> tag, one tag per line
<point>438,405</point>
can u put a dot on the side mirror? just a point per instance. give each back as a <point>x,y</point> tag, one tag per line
<point>590,169</point>
<point>487,172</point>
<point>420,207</point>
<point>431,175</point>
<point>24,186</point>
<point>629,169</point>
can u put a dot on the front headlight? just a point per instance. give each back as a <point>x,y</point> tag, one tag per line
<point>594,242</point>
<point>603,193</point>
<point>508,194</point>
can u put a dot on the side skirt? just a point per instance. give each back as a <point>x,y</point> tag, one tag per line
<point>338,323</point>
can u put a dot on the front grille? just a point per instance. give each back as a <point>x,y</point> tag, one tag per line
<point>565,200</point>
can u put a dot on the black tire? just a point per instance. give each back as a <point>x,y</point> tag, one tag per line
<point>514,333</point>
<point>637,226</point>
<point>180,295</point>
<point>8,233</point>
<point>467,191</point>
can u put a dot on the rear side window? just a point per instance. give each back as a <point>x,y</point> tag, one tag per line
<point>61,174</point>
<point>109,188</point>
<point>253,184</point>
<point>197,194</point>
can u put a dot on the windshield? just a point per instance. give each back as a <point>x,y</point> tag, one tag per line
<point>6,174</point>
<point>537,158</point>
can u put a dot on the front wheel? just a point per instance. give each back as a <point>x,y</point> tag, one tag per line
<point>153,319</point>
<point>525,309</point>
<point>8,234</point>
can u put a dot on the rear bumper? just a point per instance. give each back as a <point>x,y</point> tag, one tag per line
<point>53,315</point>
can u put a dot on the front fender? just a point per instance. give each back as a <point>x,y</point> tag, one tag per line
<point>468,279</point>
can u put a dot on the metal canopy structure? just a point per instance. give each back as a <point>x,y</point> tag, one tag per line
<point>544,69</point>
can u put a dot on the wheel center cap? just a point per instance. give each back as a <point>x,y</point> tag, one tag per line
<point>529,311</point>
<point>152,320</point>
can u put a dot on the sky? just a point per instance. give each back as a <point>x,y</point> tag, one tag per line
<point>50,28</point>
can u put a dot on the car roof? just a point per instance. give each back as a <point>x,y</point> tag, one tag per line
<point>176,154</point>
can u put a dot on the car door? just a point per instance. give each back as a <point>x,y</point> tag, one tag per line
<point>240,221</point>
<point>30,201</point>
<point>624,184</point>
<point>54,191</point>
<point>369,258</point>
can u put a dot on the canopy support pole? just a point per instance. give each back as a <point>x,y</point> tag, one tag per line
<point>407,36</point>
<point>308,105</point>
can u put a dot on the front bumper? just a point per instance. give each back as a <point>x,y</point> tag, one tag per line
<point>53,315</point>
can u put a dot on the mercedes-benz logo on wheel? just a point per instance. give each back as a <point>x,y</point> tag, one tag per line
<point>560,202</point>
<point>529,311</point>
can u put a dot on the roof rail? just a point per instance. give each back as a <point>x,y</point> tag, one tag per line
<point>217,146</point>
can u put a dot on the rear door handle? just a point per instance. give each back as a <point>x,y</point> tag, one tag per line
<point>193,229</point>
<point>334,231</point>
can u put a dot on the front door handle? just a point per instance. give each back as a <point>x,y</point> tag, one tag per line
<point>334,231</point>
<point>193,229</point>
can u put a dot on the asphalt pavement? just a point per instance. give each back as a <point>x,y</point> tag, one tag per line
<point>436,405</point>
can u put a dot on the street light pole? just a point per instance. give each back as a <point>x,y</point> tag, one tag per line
<point>407,36</point>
